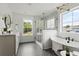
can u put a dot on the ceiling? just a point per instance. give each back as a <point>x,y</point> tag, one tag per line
<point>33,9</point>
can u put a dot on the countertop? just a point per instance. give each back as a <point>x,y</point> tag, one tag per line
<point>64,42</point>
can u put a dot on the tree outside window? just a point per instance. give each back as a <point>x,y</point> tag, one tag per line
<point>28,27</point>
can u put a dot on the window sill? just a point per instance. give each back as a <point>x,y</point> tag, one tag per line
<point>27,35</point>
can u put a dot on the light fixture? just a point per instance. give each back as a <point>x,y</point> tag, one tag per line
<point>64,7</point>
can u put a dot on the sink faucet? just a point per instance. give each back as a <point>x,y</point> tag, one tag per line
<point>69,39</point>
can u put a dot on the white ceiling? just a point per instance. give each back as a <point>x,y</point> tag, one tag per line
<point>33,9</point>
<point>29,9</point>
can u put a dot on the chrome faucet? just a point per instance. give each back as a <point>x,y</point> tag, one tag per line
<point>69,39</point>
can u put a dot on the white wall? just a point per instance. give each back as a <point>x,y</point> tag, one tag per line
<point>4,10</point>
<point>17,22</point>
<point>26,39</point>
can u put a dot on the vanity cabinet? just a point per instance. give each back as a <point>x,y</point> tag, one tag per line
<point>7,45</point>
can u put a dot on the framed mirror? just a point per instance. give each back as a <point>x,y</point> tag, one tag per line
<point>7,22</point>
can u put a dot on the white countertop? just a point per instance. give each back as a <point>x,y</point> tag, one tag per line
<point>64,42</point>
<point>11,34</point>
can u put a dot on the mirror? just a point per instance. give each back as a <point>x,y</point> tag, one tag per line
<point>7,21</point>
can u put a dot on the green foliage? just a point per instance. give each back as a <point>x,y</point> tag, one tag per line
<point>27,27</point>
<point>67,26</point>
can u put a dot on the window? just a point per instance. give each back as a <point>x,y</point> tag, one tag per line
<point>67,22</point>
<point>28,27</point>
<point>76,20</point>
<point>70,21</point>
<point>50,24</point>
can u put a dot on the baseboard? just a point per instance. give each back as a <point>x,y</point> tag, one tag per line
<point>27,42</point>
